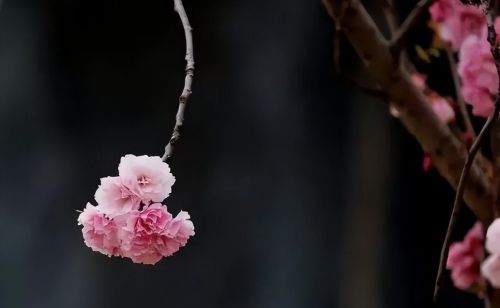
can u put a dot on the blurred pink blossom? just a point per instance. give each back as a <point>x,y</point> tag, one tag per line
<point>478,74</point>
<point>457,21</point>
<point>442,9</point>
<point>497,27</point>
<point>491,266</point>
<point>439,104</point>
<point>419,80</point>
<point>493,237</point>
<point>442,108</point>
<point>464,258</point>
<point>491,270</point>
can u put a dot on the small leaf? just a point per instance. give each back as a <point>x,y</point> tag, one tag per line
<point>436,53</point>
<point>422,54</point>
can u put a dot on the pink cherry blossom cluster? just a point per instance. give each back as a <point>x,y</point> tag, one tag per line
<point>456,21</point>
<point>464,27</point>
<point>129,219</point>
<point>464,259</point>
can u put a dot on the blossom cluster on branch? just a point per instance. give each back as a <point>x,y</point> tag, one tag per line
<point>464,28</point>
<point>467,263</point>
<point>130,219</point>
<point>464,260</point>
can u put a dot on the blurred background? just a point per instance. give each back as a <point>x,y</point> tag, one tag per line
<point>304,191</point>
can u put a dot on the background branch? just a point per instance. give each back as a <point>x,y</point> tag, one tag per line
<point>390,16</point>
<point>447,152</point>
<point>186,92</point>
<point>399,39</point>
<point>372,90</point>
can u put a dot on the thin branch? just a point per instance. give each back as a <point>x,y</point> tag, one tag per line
<point>399,39</point>
<point>186,92</point>
<point>495,150</point>
<point>374,90</point>
<point>390,16</point>
<point>457,204</point>
<point>460,100</point>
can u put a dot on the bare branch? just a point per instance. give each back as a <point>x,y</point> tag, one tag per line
<point>390,16</point>
<point>399,39</point>
<point>186,92</point>
<point>372,90</point>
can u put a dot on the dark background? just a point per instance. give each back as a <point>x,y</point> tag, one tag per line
<point>304,192</point>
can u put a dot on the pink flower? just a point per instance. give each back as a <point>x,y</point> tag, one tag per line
<point>147,177</point>
<point>478,74</point>
<point>114,198</point>
<point>99,232</point>
<point>464,259</point>
<point>427,163</point>
<point>491,266</point>
<point>457,21</point>
<point>419,80</point>
<point>443,109</point>
<point>441,10</point>
<point>153,234</point>
<point>129,221</point>
<point>493,237</point>
<point>180,229</point>
<point>439,104</point>
<point>491,270</point>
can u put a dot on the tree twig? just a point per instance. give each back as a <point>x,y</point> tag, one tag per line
<point>390,16</point>
<point>457,204</point>
<point>186,92</point>
<point>374,90</point>
<point>399,39</point>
